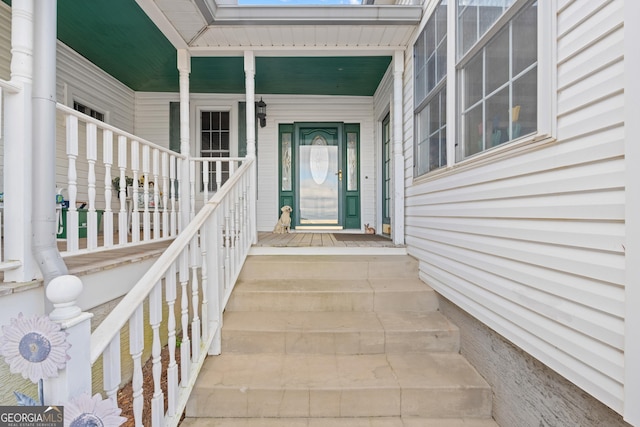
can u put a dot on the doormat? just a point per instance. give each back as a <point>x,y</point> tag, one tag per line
<point>344,237</point>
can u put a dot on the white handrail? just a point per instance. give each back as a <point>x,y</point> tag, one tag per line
<point>88,119</point>
<point>119,316</point>
<point>206,257</point>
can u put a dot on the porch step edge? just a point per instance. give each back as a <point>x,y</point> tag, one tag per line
<point>339,422</point>
<point>323,250</point>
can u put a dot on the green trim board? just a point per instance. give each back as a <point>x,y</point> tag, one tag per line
<point>118,37</point>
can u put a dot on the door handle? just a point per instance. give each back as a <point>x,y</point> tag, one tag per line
<point>339,175</point>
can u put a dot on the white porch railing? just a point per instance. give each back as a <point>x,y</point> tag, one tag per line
<point>197,272</point>
<point>144,177</point>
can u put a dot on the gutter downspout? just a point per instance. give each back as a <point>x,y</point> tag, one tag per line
<point>43,241</point>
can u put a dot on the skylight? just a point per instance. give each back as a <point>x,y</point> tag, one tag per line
<point>297,2</point>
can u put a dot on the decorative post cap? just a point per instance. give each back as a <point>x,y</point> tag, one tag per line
<point>63,291</point>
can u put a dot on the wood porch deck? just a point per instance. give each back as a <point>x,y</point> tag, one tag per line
<point>268,243</point>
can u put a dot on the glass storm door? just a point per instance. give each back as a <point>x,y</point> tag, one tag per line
<point>386,176</point>
<point>319,176</point>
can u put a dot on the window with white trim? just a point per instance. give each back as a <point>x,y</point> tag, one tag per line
<point>430,65</point>
<point>497,73</point>
<point>215,136</point>
<point>88,111</point>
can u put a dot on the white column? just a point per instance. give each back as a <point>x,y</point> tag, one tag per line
<point>632,220</point>
<point>18,145</point>
<point>250,85</point>
<point>397,218</point>
<point>184,68</point>
<point>250,88</point>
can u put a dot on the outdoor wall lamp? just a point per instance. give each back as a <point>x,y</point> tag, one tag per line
<point>261,112</point>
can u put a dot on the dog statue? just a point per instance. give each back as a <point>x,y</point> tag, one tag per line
<point>284,223</point>
<point>369,230</point>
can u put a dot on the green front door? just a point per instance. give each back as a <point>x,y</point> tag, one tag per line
<point>319,175</point>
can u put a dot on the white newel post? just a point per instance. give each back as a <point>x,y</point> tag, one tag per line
<point>397,219</point>
<point>184,69</point>
<point>75,379</point>
<point>250,88</point>
<point>18,145</point>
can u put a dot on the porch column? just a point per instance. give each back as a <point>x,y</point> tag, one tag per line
<point>184,68</point>
<point>18,146</point>
<point>397,218</point>
<point>632,207</point>
<point>250,89</point>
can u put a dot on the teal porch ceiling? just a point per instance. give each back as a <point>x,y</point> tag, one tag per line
<point>118,37</point>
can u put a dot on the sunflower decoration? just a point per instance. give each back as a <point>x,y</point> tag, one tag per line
<point>87,411</point>
<point>34,347</point>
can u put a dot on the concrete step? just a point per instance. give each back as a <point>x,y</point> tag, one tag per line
<point>338,332</point>
<point>331,267</point>
<point>428,385</point>
<point>338,422</point>
<point>312,294</point>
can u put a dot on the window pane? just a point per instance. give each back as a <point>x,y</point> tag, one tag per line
<point>441,21</point>
<point>497,126</point>
<point>206,120</point>
<point>215,121</point>
<point>525,39</point>
<point>497,60</point>
<point>473,81</point>
<point>473,131</point>
<point>441,60</point>
<point>224,120</point>
<point>525,104</point>
<point>488,14</point>
<point>467,28</point>
<point>206,141</point>
<point>224,141</point>
<point>431,73</point>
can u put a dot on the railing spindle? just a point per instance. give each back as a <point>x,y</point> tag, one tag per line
<point>164,195</point>
<point>184,300</point>
<point>135,215</point>
<point>107,158</point>
<point>146,216</point>
<point>123,215</point>
<point>92,156</point>
<point>156,193</point>
<point>173,186</point>
<point>195,303</point>
<point>72,183</point>
<point>111,374</point>
<point>136,346</point>
<point>172,369</point>
<point>155,318</point>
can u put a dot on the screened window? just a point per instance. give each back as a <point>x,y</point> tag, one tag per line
<point>497,72</point>
<point>430,59</point>
<point>214,142</point>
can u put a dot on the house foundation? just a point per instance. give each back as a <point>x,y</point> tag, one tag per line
<point>525,392</point>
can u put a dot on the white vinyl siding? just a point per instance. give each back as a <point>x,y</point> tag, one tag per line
<point>532,244</point>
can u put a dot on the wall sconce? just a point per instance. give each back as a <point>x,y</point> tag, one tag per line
<point>261,112</point>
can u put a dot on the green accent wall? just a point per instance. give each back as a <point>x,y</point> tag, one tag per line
<point>174,126</point>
